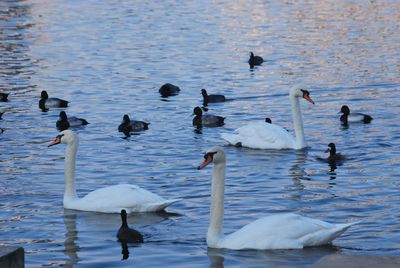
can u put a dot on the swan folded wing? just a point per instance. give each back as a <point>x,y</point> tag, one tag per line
<point>283,231</point>
<point>261,135</point>
<point>325,236</point>
<point>122,196</point>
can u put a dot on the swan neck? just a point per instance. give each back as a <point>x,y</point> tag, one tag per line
<point>215,234</point>
<point>69,171</point>
<point>297,122</point>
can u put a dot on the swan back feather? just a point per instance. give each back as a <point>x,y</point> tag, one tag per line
<point>268,136</point>
<point>284,231</point>
<point>260,135</point>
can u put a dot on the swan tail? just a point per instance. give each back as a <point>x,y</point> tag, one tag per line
<point>232,139</point>
<point>325,236</point>
<point>344,226</point>
<point>340,229</point>
<point>162,205</point>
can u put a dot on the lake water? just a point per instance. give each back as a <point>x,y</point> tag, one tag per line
<point>109,58</point>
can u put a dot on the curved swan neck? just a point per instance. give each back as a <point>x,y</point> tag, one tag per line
<point>297,122</point>
<point>69,170</point>
<point>215,232</point>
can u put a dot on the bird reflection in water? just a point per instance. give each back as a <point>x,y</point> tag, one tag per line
<point>298,174</point>
<point>305,257</point>
<point>216,257</point>
<point>125,250</point>
<point>71,248</point>
<point>332,173</point>
<point>296,171</point>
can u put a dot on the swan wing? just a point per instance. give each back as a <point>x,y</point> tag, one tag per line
<point>130,197</point>
<point>261,135</point>
<point>283,231</point>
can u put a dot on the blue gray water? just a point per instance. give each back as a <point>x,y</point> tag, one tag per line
<point>110,58</point>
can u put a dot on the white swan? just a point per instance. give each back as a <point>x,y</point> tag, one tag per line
<point>260,135</point>
<point>280,231</point>
<point>110,199</point>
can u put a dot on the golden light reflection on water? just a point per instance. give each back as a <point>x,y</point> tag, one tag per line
<point>347,52</point>
<point>327,39</point>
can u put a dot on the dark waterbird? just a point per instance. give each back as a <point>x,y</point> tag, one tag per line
<point>333,155</point>
<point>255,60</point>
<point>126,234</point>
<point>348,117</point>
<point>168,89</point>
<point>4,97</point>
<point>207,120</point>
<point>45,102</point>
<point>129,125</point>
<point>65,122</point>
<point>334,158</point>
<point>212,98</point>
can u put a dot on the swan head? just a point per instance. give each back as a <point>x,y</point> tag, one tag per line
<point>66,137</point>
<point>214,155</point>
<point>301,92</point>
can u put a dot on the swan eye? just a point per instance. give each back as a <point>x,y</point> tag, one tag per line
<point>210,154</point>
<point>305,92</point>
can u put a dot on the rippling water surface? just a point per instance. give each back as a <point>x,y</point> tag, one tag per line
<point>109,58</point>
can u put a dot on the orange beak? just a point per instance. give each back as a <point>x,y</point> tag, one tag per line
<point>56,141</point>
<point>208,159</point>
<point>307,97</point>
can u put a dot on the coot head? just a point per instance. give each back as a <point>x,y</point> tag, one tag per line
<point>345,110</point>
<point>126,119</point>
<point>63,115</point>
<point>331,149</point>
<point>44,95</point>
<point>198,111</point>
